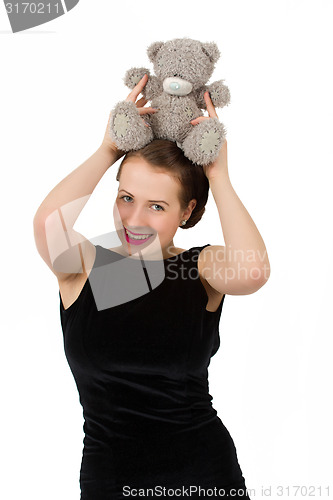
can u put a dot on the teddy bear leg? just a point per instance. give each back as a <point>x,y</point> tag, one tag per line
<point>127,128</point>
<point>202,145</point>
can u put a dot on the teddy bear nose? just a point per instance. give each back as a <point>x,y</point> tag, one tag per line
<point>174,86</point>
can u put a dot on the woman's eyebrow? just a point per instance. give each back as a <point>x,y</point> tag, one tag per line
<point>154,201</point>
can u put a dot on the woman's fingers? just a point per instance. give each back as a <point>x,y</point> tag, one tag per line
<point>146,111</point>
<point>210,107</point>
<point>132,96</point>
<point>137,89</point>
<point>141,102</point>
<point>145,123</point>
<point>199,119</point>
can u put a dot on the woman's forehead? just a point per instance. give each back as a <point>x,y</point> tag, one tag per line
<point>145,177</point>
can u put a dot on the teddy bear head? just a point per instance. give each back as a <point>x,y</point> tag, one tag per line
<point>185,59</point>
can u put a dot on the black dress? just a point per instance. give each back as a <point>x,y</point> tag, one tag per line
<point>141,372</point>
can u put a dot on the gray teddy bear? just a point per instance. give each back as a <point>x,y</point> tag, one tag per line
<point>182,67</point>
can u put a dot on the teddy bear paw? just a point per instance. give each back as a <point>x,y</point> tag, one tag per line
<point>127,129</point>
<point>203,143</point>
<point>220,94</point>
<point>120,124</point>
<point>210,141</point>
<point>134,75</point>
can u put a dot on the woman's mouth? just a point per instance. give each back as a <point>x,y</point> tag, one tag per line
<point>136,239</point>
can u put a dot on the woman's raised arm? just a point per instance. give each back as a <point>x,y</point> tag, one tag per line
<point>55,217</point>
<point>241,266</point>
<point>62,248</point>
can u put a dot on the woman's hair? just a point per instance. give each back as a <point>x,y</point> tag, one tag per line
<point>168,157</point>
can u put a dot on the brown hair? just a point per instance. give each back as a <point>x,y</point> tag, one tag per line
<point>167,156</point>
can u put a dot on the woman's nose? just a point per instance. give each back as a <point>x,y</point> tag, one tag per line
<point>135,220</point>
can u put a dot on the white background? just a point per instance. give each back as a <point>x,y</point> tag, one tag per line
<point>271,379</point>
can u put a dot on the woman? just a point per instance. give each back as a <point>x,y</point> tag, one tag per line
<point>138,343</point>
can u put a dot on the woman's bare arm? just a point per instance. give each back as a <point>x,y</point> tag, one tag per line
<point>60,246</point>
<point>241,266</point>
<point>63,249</point>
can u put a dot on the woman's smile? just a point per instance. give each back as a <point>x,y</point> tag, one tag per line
<point>136,238</point>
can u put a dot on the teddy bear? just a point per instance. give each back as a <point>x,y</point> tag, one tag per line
<point>182,67</point>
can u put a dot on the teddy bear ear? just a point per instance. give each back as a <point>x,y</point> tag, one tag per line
<point>153,49</point>
<point>212,51</point>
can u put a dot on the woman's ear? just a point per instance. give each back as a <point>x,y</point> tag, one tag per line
<point>191,206</point>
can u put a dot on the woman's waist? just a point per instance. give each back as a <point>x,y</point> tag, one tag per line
<point>129,422</point>
<point>161,398</point>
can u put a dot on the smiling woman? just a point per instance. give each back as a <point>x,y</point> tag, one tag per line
<point>179,188</point>
<point>139,346</point>
<point>164,156</point>
<point>180,191</point>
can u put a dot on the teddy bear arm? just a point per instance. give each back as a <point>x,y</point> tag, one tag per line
<point>219,94</point>
<point>153,88</point>
<point>199,97</point>
<point>134,75</point>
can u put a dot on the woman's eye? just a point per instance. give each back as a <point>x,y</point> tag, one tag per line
<point>154,205</point>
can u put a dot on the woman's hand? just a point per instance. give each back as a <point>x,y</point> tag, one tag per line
<point>220,166</point>
<point>132,96</point>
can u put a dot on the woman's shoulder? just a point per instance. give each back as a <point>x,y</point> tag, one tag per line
<point>198,251</point>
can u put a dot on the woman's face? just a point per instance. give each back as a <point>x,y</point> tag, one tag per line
<point>148,203</point>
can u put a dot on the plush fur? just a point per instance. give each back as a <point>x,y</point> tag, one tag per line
<point>182,67</point>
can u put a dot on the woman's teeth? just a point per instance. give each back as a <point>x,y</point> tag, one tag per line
<point>137,237</point>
